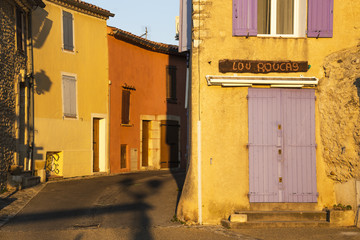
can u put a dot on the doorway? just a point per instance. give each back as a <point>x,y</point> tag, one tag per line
<point>99,144</point>
<point>169,146</point>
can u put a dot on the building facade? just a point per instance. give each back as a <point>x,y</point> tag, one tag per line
<point>148,123</point>
<point>274,107</point>
<point>16,79</point>
<point>71,88</point>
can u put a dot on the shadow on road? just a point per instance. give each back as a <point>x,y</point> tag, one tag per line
<point>136,203</point>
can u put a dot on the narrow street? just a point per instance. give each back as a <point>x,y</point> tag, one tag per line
<point>128,206</point>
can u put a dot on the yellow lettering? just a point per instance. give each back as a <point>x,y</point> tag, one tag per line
<point>281,67</point>
<point>234,66</point>
<point>261,67</point>
<point>296,67</point>
<point>248,66</point>
<point>268,67</point>
<point>240,66</point>
<point>288,67</point>
<point>276,66</point>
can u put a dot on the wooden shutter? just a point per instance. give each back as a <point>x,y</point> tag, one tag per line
<point>68,33</point>
<point>244,18</point>
<point>320,18</point>
<point>123,155</point>
<point>125,107</point>
<point>171,82</point>
<point>69,96</point>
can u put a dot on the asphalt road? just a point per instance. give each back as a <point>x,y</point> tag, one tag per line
<point>127,206</point>
<point>135,206</point>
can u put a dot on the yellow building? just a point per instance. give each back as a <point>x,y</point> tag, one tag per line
<point>71,88</point>
<point>274,107</point>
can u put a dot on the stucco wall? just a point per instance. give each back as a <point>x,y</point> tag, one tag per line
<point>89,63</point>
<point>144,70</point>
<point>223,112</point>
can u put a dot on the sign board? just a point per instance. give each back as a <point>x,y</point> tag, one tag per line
<point>249,66</point>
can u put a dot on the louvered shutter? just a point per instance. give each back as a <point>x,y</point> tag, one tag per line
<point>320,18</point>
<point>69,96</point>
<point>125,107</point>
<point>68,35</point>
<point>244,18</point>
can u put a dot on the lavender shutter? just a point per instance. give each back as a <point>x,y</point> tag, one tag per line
<point>320,18</point>
<point>264,143</point>
<point>244,18</point>
<point>299,170</point>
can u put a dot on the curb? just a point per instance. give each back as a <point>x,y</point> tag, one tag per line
<point>21,199</point>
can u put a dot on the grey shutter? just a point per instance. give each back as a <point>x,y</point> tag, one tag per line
<point>69,96</point>
<point>68,35</point>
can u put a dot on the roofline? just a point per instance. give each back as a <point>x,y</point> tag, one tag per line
<point>145,43</point>
<point>86,7</point>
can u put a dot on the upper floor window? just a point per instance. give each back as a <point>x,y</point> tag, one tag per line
<point>68,31</point>
<point>125,107</point>
<point>20,29</point>
<point>69,96</point>
<point>282,18</point>
<point>171,83</point>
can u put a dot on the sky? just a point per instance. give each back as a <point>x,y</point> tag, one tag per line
<point>133,16</point>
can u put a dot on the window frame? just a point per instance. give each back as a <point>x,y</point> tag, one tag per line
<point>299,22</point>
<point>65,114</point>
<point>63,32</point>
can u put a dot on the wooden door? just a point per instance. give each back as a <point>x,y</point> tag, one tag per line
<point>96,145</point>
<point>169,144</point>
<point>145,143</point>
<point>282,162</point>
<point>299,165</point>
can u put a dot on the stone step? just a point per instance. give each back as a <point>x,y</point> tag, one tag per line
<point>29,181</point>
<point>285,215</point>
<point>274,224</point>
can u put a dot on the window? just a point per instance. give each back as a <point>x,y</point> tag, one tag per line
<point>68,32</point>
<point>69,96</point>
<point>20,29</point>
<point>275,17</point>
<point>282,18</point>
<point>171,83</point>
<point>123,156</point>
<point>125,107</point>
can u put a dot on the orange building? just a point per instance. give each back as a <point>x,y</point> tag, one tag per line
<point>148,122</point>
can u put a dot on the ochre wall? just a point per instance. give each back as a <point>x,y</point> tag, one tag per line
<point>89,62</point>
<point>223,112</point>
<point>146,71</point>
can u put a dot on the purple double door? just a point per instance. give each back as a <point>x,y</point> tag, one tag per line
<point>282,148</point>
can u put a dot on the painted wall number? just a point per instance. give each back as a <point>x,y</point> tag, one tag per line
<point>280,179</point>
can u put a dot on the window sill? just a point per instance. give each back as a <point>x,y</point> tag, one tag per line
<point>126,125</point>
<point>171,100</point>
<point>70,117</point>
